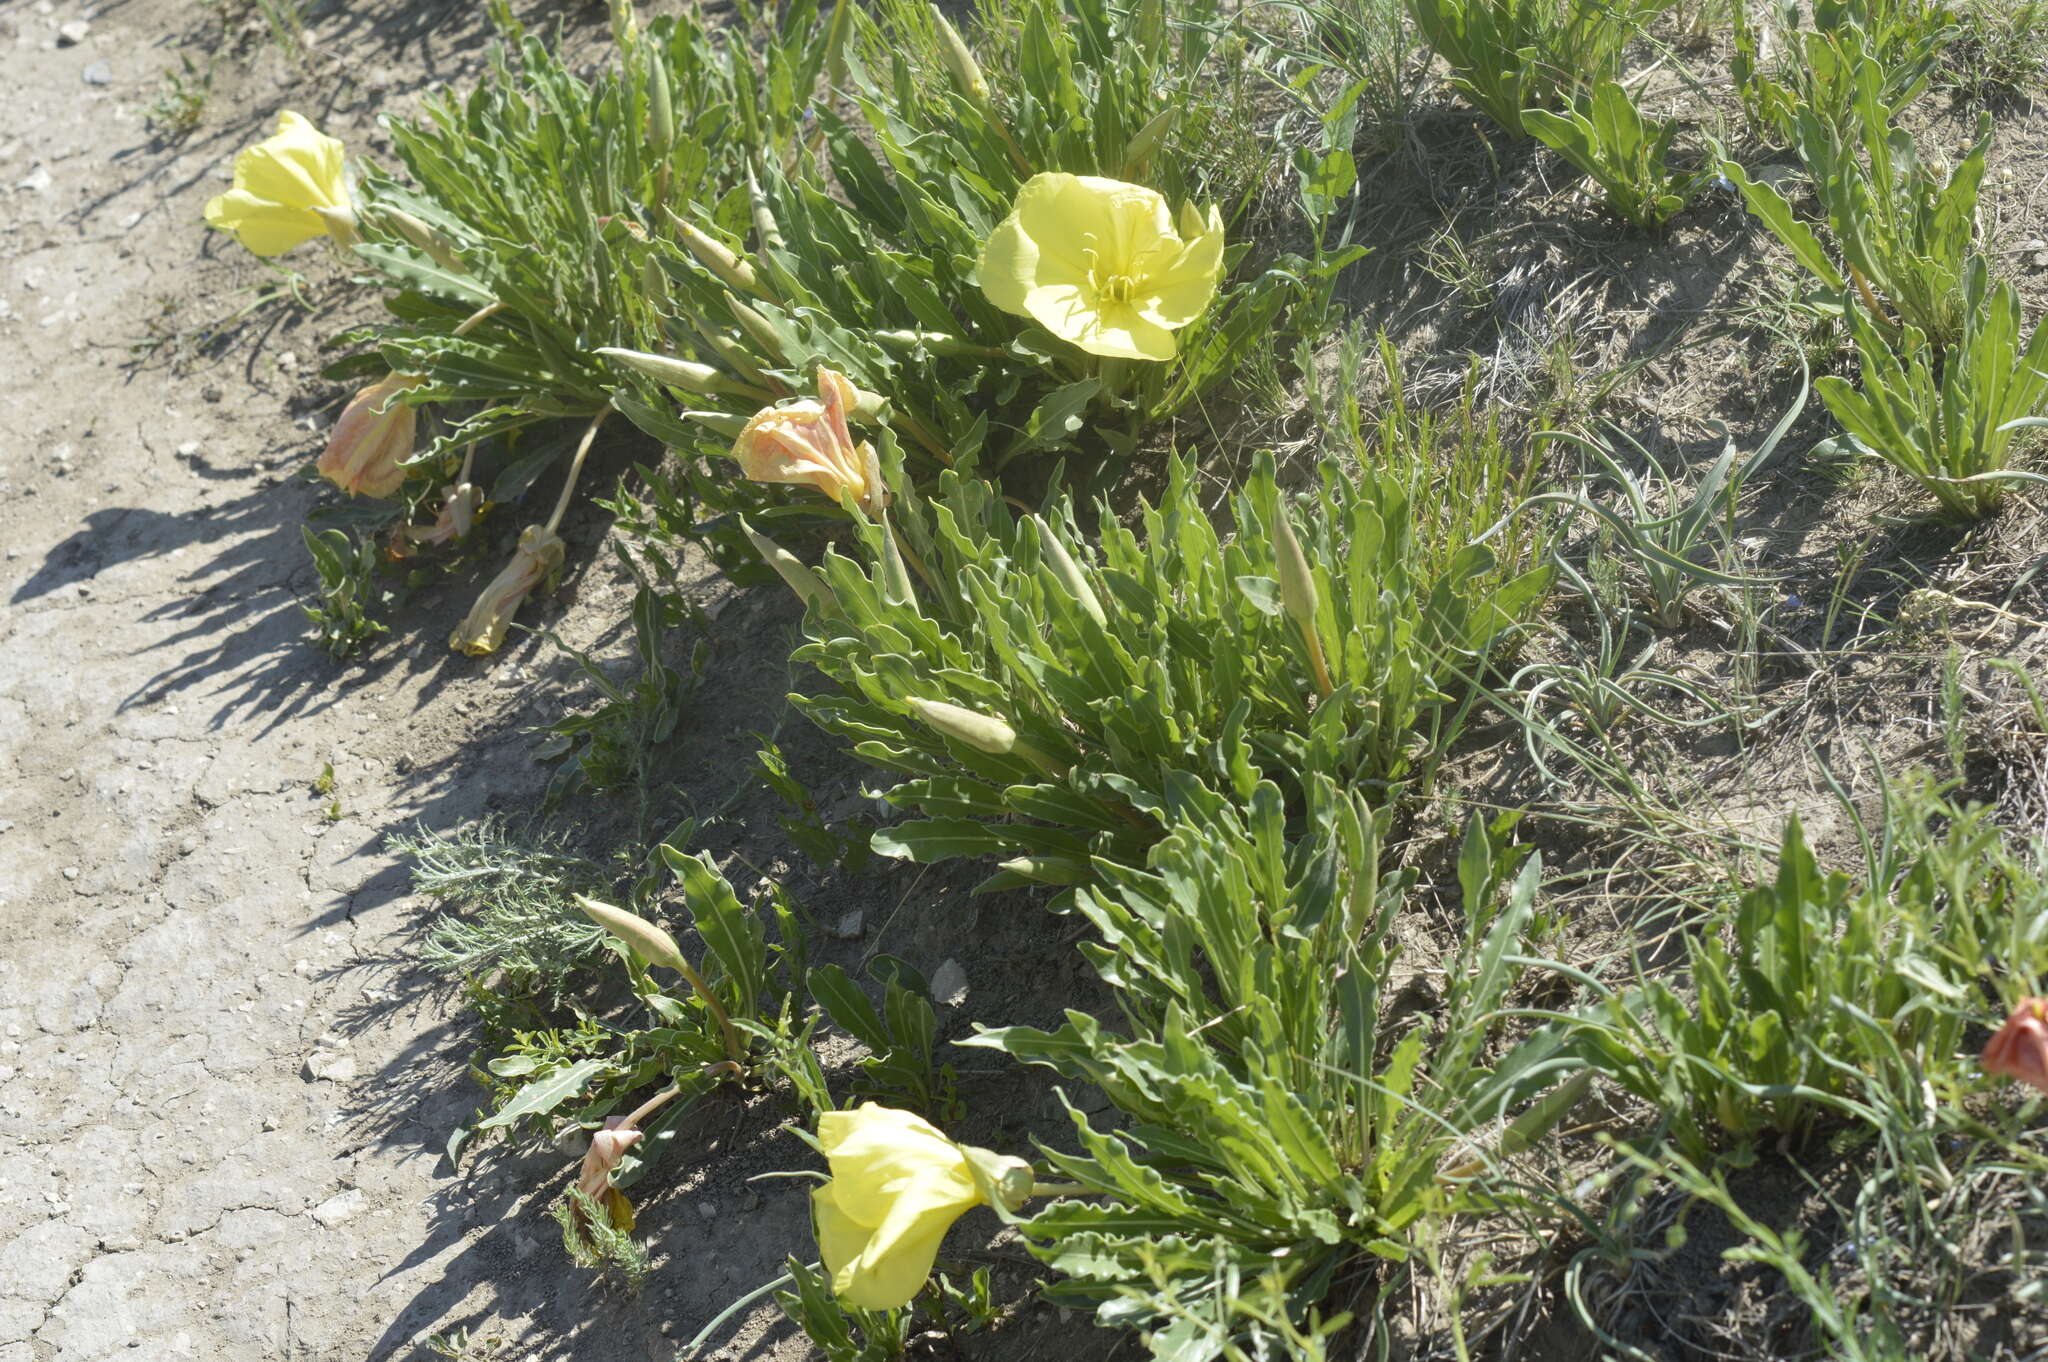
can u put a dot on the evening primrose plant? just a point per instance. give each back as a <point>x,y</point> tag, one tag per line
<point>1039,695</point>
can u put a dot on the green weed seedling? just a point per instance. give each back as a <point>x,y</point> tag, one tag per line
<point>341,617</point>
<point>899,1068</point>
<point>1510,55</point>
<point>1660,525</point>
<point>618,745</point>
<point>1607,138</point>
<point>1903,226</point>
<point>1950,421</point>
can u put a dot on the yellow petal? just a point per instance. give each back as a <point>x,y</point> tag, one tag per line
<point>265,228</point>
<point>299,167</point>
<point>1043,241</point>
<point>897,1259</point>
<point>1181,291</point>
<point>1114,330</point>
<point>840,1239</point>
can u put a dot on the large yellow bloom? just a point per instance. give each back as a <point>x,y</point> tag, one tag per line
<point>288,189</point>
<point>897,1186</point>
<point>1098,262</point>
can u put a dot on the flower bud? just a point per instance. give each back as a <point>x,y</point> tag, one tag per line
<point>896,587</point>
<point>1046,869</point>
<point>1145,141</point>
<point>538,557</point>
<point>686,374</point>
<point>982,732</point>
<point>756,326</point>
<point>1068,572</point>
<point>661,113</point>
<point>764,215</point>
<point>365,454</point>
<point>650,942</point>
<point>959,60</point>
<point>809,587</point>
<point>424,239</point>
<point>713,255</point>
<point>1298,593</point>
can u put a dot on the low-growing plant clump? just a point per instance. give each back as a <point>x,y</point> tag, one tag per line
<point>1372,729</point>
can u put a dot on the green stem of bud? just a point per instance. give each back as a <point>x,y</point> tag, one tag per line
<point>1298,594</point>
<point>685,374</point>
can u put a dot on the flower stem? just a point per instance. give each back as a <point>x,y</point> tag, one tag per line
<point>576,468</point>
<point>479,317</point>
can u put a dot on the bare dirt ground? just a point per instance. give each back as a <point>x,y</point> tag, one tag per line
<point>222,1108</point>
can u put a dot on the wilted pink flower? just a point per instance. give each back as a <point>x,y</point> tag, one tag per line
<point>459,505</point>
<point>2020,1049</point>
<point>372,439</point>
<point>607,1148</point>
<point>810,443</point>
<point>539,554</point>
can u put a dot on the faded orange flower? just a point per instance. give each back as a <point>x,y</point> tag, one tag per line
<point>365,455</point>
<point>809,442</point>
<point>2020,1049</point>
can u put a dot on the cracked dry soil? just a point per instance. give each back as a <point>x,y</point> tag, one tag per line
<point>222,1104</point>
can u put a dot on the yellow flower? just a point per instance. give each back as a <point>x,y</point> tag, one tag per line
<point>810,443</point>
<point>1098,262</point>
<point>897,1186</point>
<point>365,454</point>
<point>538,556</point>
<point>288,189</point>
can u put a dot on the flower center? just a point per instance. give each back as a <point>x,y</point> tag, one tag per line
<point>1107,286</point>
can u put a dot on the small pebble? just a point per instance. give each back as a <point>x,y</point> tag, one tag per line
<point>99,73</point>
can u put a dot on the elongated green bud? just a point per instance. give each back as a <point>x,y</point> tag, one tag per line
<point>718,422</point>
<point>764,216</point>
<point>661,113</point>
<point>425,240</point>
<point>982,732</point>
<point>756,326</point>
<point>654,283</point>
<point>808,585</point>
<point>938,342</point>
<point>896,587</point>
<point>686,374</point>
<point>713,255</point>
<point>1140,148</point>
<point>1297,583</point>
<point>1046,869</point>
<point>650,942</point>
<point>1298,593</point>
<point>1068,572</point>
<point>733,357</point>
<point>835,44</point>
<point>953,50</point>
